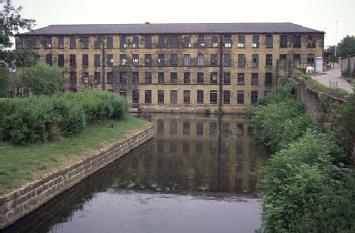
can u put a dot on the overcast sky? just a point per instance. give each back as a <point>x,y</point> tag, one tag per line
<point>317,14</point>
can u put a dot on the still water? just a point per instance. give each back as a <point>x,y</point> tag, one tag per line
<point>199,174</point>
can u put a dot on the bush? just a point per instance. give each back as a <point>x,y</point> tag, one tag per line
<point>31,119</point>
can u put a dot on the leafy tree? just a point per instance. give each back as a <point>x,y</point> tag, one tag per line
<point>4,80</point>
<point>11,22</point>
<point>41,79</point>
<point>346,47</point>
<point>347,115</point>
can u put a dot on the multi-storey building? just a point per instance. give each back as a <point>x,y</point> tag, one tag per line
<point>176,67</point>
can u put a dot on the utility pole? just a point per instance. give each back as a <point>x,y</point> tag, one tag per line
<point>336,37</point>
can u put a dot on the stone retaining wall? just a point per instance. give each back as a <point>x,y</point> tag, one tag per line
<point>26,199</point>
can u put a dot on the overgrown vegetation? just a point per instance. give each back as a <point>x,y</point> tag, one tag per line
<point>34,119</point>
<point>306,186</point>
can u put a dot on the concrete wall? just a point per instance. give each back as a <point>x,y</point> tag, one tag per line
<point>348,65</point>
<point>26,199</point>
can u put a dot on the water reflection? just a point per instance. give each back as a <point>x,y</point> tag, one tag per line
<point>211,158</point>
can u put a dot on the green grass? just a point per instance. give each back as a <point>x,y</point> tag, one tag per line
<point>22,164</point>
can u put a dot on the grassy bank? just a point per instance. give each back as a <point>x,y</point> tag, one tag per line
<point>21,164</point>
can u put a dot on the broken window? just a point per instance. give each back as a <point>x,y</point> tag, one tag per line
<point>60,60</point>
<point>254,79</point>
<point>72,60</point>
<point>161,78</point>
<point>161,60</point>
<point>97,60</point>
<point>283,57</point>
<point>226,97</point>
<point>174,59</point>
<point>214,41</point>
<point>254,96</point>
<point>60,42</point>
<point>268,60</point>
<point>240,97</point>
<point>123,59</point>
<point>161,97</point>
<point>148,41</point>
<point>161,41</point>
<point>241,41</point>
<point>123,78</point>
<point>109,77</point>
<point>135,59</point>
<point>148,96</point>
<point>174,42</point>
<point>213,97</point>
<point>49,59</point>
<point>187,42</point>
<point>186,97</point>
<point>255,60</point>
<point>310,59</point>
<point>227,78</point>
<point>72,42</point>
<point>200,96</point>
<point>123,42</point>
<point>201,41</point>
<point>213,78</point>
<point>109,60</point>
<point>283,41</point>
<point>227,41</point>
<point>47,42</point>
<point>173,78</point>
<point>109,42</point>
<point>227,60</point>
<point>97,77</point>
<point>187,78</point>
<point>241,60</point>
<point>269,41</point>
<point>148,77</point>
<point>135,41</point>
<point>85,61</point>
<point>200,59</point>
<point>297,58</point>
<point>97,42</point>
<point>135,96</point>
<point>297,41</point>
<point>200,77</point>
<point>255,41</point>
<point>214,59</point>
<point>311,41</point>
<point>135,77</point>
<point>84,42</point>
<point>148,59</point>
<point>187,60</point>
<point>240,80</point>
<point>268,79</point>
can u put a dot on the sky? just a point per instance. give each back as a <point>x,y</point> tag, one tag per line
<point>317,14</point>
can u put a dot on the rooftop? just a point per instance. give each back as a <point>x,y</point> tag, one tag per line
<point>171,28</point>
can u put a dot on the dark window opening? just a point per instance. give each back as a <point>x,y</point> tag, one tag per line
<point>173,78</point>
<point>109,77</point>
<point>227,60</point>
<point>160,96</point>
<point>268,60</point>
<point>255,41</point>
<point>240,97</point>
<point>283,41</point>
<point>200,96</point>
<point>254,79</point>
<point>227,78</point>
<point>49,59</point>
<point>148,59</point>
<point>135,96</point>
<point>109,42</point>
<point>148,77</point>
<point>214,41</point>
<point>85,61</point>
<point>148,41</point>
<point>60,60</point>
<point>97,60</point>
<point>148,96</point>
<point>214,59</point>
<point>187,78</point>
<point>60,42</point>
<point>297,41</point>
<point>84,42</point>
<point>161,60</point>
<point>240,80</point>
<point>174,59</point>
<point>213,78</point>
<point>269,41</point>
<point>186,97</point>
<point>109,58</point>
<point>213,97</point>
<point>268,79</point>
<point>135,77</point>
<point>200,78</point>
<point>241,41</point>
<point>123,78</point>
<point>72,60</point>
<point>254,97</point>
<point>123,42</point>
<point>241,60</point>
<point>161,78</point>
<point>226,97</point>
<point>72,42</point>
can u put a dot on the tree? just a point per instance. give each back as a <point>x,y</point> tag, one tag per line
<point>41,79</point>
<point>4,79</point>
<point>11,22</point>
<point>346,47</point>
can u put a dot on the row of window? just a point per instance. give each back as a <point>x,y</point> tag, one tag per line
<point>166,41</point>
<point>213,96</point>
<point>124,60</point>
<point>133,78</point>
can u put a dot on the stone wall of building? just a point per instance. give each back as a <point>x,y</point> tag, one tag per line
<point>26,199</point>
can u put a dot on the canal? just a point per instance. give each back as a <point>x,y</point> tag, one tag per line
<point>199,174</point>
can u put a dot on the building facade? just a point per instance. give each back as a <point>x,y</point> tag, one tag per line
<point>176,67</point>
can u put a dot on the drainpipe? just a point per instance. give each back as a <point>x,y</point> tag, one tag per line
<point>221,52</point>
<point>103,63</point>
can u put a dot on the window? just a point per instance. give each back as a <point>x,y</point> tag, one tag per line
<point>297,41</point>
<point>148,41</point>
<point>60,60</point>
<point>311,41</point>
<point>240,80</point>
<point>109,77</point>
<point>283,41</point>
<point>187,42</point>
<point>174,59</point>
<point>135,59</point>
<point>213,129</point>
<point>187,60</point>
<point>160,77</point>
<point>123,42</point>
<point>123,59</point>
<point>72,60</point>
<point>310,59</point>
<point>200,96</point>
<point>268,60</point>
<point>213,97</point>
<point>148,96</point>
<point>269,41</point>
<point>186,97</point>
<point>214,59</point>
<point>241,60</point>
<point>199,128</point>
<point>72,77</point>
<point>97,60</point>
<point>254,97</point>
<point>123,78</point>
<point>283,57</point>
<point>187,78</point>
<point>85,77</point>
<point>213,78</point>
<point>109,42</point>
<point>227,41</point>
<point>123,92</point>
<point>255,60</point>
<point>49,59</point>
<point>47,42</point>
<point>135,96</point>
<point>227,60</point>
<point>240,97</point>
<point>84,42</point>
<point>85,61</point>
<point>254,79</point>
<point>200,77</point>
<point>160,96</point>
<point>268,79</point>
<point>109,58</point>
<point>297,58</point>
<point>148,77</point>
<point>97,77</point>
<point>173,97</point>
<point>97,42</point>
<point>227,78</point>
<point>60,42</point>
<point>255,41</point>
<point>148,59</point>
<point>173,78</point>
<point>200,41</point>
<point>135,77</point>
<point>241,41</point>
<point>214,41</point>
<point>200,59</point>
<point>161,41</point>
<point>186,128</point>
<point>72,42</point>
<point>161,60</point>
<point>174,41</point>
<point>36,43</point>
<point>135,41</point>
<point>226,97</point>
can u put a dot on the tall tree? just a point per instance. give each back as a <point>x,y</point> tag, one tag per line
<point>346,47</point>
